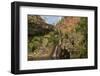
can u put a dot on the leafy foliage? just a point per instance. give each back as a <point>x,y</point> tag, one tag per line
<point>68,38</point>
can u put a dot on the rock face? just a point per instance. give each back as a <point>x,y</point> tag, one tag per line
<point>36,25</point>
<point>68,24</point>
<point>65,40</point>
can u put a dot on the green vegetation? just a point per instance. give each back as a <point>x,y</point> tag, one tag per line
<point>82,28</point>
<point>61,41</point>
